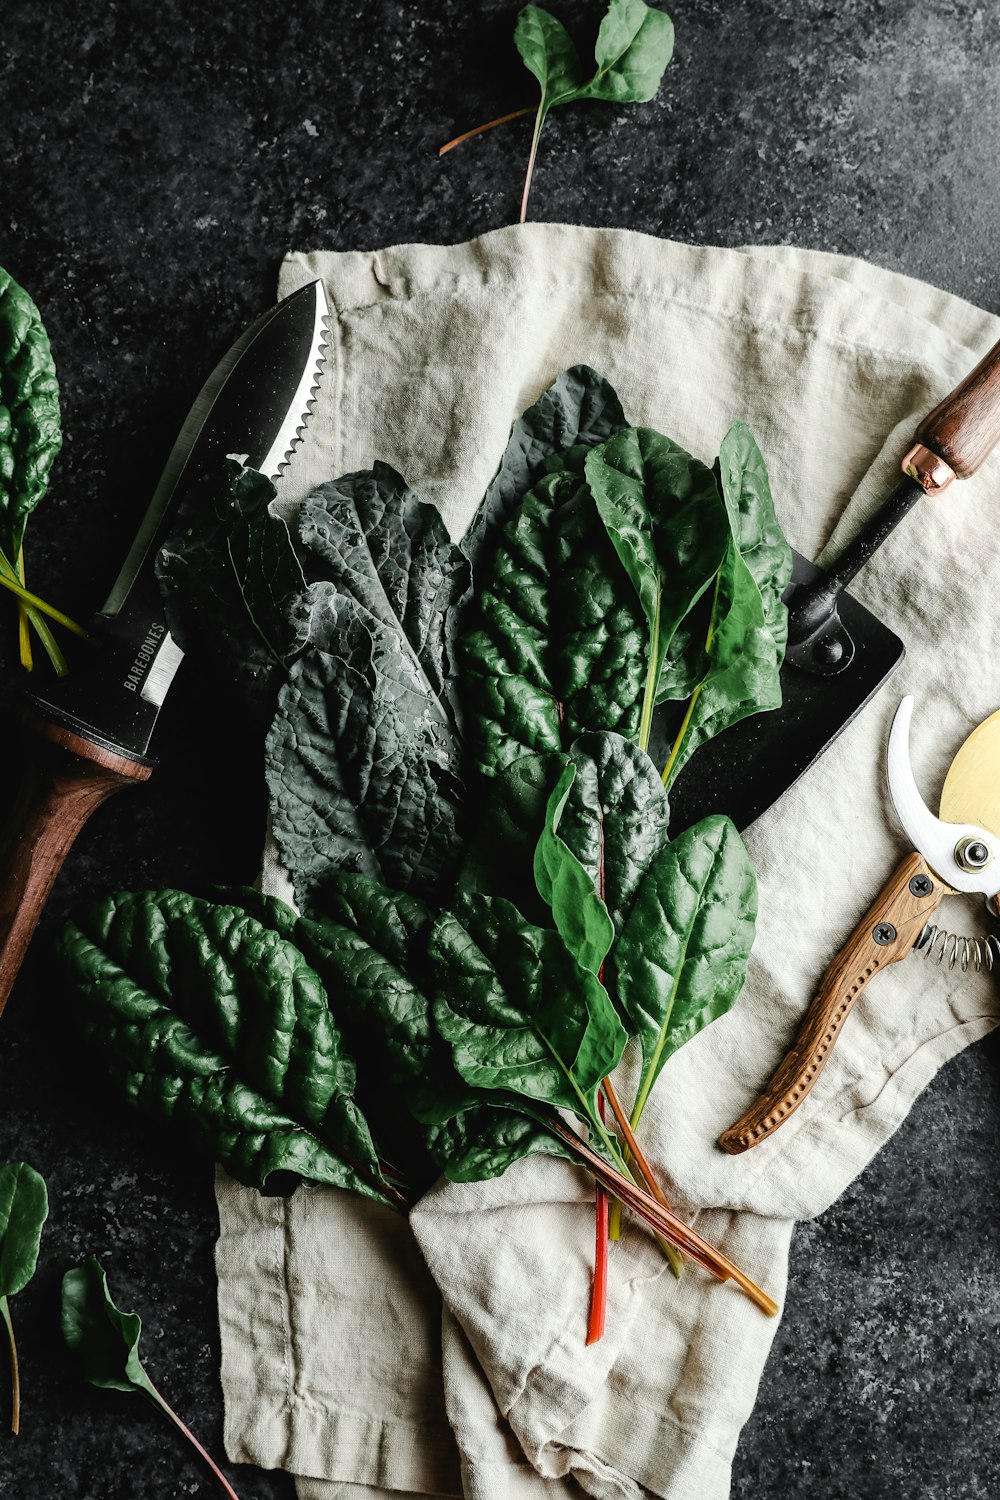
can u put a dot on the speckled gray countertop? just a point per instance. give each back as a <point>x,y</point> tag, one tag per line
<point>156,162</point>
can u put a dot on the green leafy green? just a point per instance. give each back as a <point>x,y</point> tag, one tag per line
<point>24,1207</point>
<point>634,46</point>
<point>667,520</point>
<point>681,959</point>
<point>614,820</point>
<point>363,767</point>
<point>105,1340</point>
<point>578,410</point>
<point>30,431</point>
<point>483,1141</point>
<point>230,557</point>
<point>377,543</point>
<point>30,440</point>
<point>747,626</point>
<point>209,1019</point>
<point>556,645</point>
<point>521,1014</point>
<point>580,915</point>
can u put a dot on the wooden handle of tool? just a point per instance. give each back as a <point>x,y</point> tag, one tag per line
<point>65,778</point>
<point>965,427</point>
<point>898,915</point>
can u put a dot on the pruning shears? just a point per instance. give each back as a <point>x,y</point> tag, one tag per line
<point>956,852</point>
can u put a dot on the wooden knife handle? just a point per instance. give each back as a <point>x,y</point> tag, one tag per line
<point>898,917</point>
<point>964,428</point>
<point>65,778</point>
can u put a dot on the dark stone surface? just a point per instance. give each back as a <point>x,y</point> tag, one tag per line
<point>157,159</point>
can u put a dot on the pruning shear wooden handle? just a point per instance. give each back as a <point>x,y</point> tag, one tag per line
<point>885,935</point>
<point>952,853</point>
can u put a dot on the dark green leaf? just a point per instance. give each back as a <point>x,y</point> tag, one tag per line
<point>580,915</point>
<point>664,514</point>
<point>207,1018</point>
<point>549,53</point>
<point>363,767</point>
<point>30,432</point>
<point>614,820</point>
<point>558,644</point>
<point>482,1142</point>
<point>105,1340</point>
<point>229,578</point>
<point>744,664</point>
<point>747,491</point>
<point>578,410</point>
<point>386,549</point>
<point>681,960</point>
<point>520,1012</point>
<point>634,46</point>
<point>24,1206</point>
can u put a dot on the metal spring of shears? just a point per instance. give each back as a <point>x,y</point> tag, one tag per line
<point>957,950</point>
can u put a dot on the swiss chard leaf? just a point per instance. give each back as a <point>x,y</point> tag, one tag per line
<point>579,409</point>
<point>743,674</point>
<point>521,1014</point>
<point>557,645</point>
<point>230,578</point>
<point>377,543</point>
<point>369,945</point>
<point>668,523</point>
<point>634,46</point>
<point>482,1142</point>
<point>104,1339</point>
<point>580,915</point>
<point>212,1020</point>
<point>24,1207</point>
<point>363,766</point>
<point>758,534</point>
<point>614,820</point>
<point>30,431</point>
<point>681,959</point>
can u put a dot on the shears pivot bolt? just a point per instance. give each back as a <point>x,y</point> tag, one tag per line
<point>921,885</point>
<point>972,854</point>
<point>884,934</point>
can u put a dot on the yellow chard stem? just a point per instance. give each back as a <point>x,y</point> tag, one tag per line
<point>23,628</point>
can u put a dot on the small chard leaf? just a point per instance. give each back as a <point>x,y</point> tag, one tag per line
<point>614,820</point>
<point>580,916</point>
<point>30,432</point>
<point>519,1011</point>
<point>757,531</point>
<point>681,960</point>
<point>24,1207</point>
<point>229,578</point>
<point>209,1019</point>
<point>376,542</point>
<point>549,53</point>
<point>104,1339</point>
<point>579,410</point>
<point>482,1142</point>
<point>634,46</point>
<point>747,630</point>
<point>667,521</point>
<point>557,644</point>
<point>363,766</point>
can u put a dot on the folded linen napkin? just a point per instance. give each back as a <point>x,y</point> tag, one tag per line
<point>366,1366</point>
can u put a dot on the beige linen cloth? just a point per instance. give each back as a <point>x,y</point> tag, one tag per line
<point>447,1357</point>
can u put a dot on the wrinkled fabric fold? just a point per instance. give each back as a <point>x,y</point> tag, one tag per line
<point>447,1357</point>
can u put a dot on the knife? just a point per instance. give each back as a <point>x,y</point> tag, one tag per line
<point>90,732</point>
